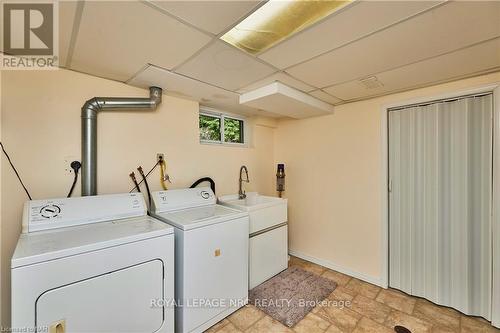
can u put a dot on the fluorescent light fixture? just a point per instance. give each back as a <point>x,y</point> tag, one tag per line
<point>277,20</point>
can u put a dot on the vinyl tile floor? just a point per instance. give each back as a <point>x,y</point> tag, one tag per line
<point>360,307</point>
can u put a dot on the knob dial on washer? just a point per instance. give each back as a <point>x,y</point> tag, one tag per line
<point>50,211</point>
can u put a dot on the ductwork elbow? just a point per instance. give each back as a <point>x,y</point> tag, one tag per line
<point>155,96</point>
<point>97,104</point>
<point>89,129</point>
<point>90,108</point>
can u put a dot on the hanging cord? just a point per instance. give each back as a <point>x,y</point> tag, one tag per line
<point>163,168</point>
<point>15,171</point>
<point>134,180</point>
<point>75,165</point>
<point>139,183</point>
<point>145,183</point>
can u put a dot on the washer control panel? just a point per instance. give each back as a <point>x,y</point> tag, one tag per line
<point>50,211</point>
<point>57,213</point>
<point>165,201</point>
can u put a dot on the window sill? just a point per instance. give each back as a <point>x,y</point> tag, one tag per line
<point>224,144</point>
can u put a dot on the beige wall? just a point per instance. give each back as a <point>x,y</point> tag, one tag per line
<point>41,126</point>
<point>332,163</point>
<point>1,162</point>
<point>333,175</point>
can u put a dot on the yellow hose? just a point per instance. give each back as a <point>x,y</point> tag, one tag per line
<point>163,167</point>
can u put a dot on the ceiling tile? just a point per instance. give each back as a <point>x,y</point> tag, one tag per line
<point>224,66</point>
<point>472,60</point>
<point>184,87</point>
<point>116,39</point>
<point>211,16</point>
<point>369,16</point>
<point>67,11</point>
<point>281,77</point>
<point>443,29</point>
<point>325,97</point>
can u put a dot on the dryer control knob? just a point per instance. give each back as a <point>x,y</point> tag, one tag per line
<point>50,211</point>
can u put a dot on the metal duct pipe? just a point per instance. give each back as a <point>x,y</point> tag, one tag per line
<point>89,129</point>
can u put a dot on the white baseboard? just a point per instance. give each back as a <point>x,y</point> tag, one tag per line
<point>328,264</point>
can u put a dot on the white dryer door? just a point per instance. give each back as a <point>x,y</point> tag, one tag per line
<point>116,302</point>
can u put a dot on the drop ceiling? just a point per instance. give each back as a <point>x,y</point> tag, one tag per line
<point>176,45</point>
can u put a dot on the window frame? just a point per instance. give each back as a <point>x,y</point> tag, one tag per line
<point>210,112</point>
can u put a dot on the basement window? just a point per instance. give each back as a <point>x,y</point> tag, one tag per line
<point>221,128</point>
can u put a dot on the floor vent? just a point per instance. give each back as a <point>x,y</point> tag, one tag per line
<point>401,329</point>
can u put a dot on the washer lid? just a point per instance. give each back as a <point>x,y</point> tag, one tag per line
<point>42,246</point>
<point>192,218</point>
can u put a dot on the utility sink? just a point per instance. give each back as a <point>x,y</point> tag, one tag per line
<point>264,211</point>
<point>253,201</point>
<point>268,244</point>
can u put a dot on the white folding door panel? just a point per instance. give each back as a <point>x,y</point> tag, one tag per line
<point>440,174</point>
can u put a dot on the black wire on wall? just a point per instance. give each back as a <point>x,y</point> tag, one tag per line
<point>15,171</point>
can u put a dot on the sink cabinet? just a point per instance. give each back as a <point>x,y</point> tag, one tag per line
<point>268,255</point>
<point>268,232</point>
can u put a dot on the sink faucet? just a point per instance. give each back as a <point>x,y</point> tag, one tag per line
<point>241,192</point>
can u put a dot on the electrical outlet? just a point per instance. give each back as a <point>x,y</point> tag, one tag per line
<point>160,156</point>
<point>67,164</point>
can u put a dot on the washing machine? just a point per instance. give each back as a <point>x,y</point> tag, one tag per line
<point>93,264</point>
<point>211,256</point>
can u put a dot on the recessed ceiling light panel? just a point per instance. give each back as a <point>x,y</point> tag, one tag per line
<point>277,20</point>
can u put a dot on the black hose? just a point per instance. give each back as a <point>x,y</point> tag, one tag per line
<point>15,171</point>
<point>204,179</point>
<point>134,180</point>
<point>75,165</point>
<point>145,183</point>
<point>139,183</point>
